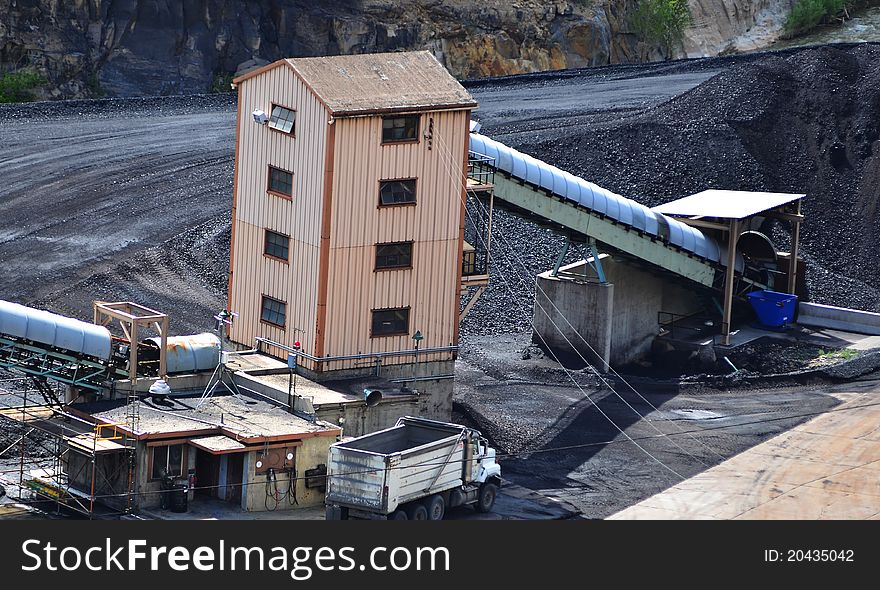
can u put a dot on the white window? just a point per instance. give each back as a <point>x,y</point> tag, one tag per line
<point>282,119</point>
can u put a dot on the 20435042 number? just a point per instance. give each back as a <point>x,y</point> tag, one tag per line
<point>820,555</point>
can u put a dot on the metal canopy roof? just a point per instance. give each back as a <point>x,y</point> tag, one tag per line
<point>726,204</point>
<point>217,445</point>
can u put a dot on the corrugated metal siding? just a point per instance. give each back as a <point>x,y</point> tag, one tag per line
<point>300,218</point>
<point>431,287</point>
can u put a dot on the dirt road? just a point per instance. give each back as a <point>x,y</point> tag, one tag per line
<point>825,469</point>
<point>88,186</point>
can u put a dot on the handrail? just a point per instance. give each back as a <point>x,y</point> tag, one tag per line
<point>353,357</point>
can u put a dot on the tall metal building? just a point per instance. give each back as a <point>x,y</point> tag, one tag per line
<point>348,217</point>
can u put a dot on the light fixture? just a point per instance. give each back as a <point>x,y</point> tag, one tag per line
<point>260,116</point>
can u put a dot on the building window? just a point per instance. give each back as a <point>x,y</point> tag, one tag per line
<point>390,322</point>
<point>394,255</point>
<point>400,129</point>
<point>397,192</point>
<point>280,182</point>
<point>167,460</point>
<point>276,245</point>
<point>273,312</point>
<point>282,119</point>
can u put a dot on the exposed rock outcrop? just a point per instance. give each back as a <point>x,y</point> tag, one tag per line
<point>137,47</point>
<point>141,47</point>
<point>724,26</point>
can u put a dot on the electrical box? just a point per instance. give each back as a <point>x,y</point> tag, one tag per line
<point>280,459</point>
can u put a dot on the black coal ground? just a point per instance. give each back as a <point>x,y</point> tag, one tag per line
<point>142,193</point>
<point>803,122</point>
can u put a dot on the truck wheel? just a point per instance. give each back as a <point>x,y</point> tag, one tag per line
<point>436,507</point>
<point>398,515</point>
<point>417,511</point>
<point>336,513</point>
<point>486,498</point>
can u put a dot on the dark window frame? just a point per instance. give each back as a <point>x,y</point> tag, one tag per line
<point>292,132</point>
<point>396,141</point>
<point>380,268</point>
<point>415,192</point>
<point>403,332</point>
<point>267,254</point>
<point>167,448</point>
<point>277,193</point>
<point>263,299</point>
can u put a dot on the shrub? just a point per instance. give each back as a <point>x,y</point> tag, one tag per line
<point>222,83</point>
<point>662,22</point>
<point>17,86</point>
<point>808,14</point>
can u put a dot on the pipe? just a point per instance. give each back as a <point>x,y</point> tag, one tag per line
<point>732,366</point>
<point>426,378</point>
<point>355,357</point>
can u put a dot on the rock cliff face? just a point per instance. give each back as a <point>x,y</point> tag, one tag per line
<point>143,47</point>
<point>722,26</point>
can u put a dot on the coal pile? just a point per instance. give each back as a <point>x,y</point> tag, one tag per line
<point>802,122</point>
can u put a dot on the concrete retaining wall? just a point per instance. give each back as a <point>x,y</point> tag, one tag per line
<point>617,318</point>
<point>838,318</point>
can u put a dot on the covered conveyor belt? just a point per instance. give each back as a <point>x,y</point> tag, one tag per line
<point>529,184</point>
<point>56,347</point>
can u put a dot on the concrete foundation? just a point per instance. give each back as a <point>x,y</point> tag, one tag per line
<point>618,319</point>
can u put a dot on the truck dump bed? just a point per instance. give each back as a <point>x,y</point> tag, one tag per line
<point>413,459</point>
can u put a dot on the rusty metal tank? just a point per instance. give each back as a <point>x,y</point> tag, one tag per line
<point>191,354</point>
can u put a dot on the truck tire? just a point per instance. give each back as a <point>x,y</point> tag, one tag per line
<point>436,507</point>
<point>417,511</point>
<point>486,497</point>
<point>398,515</point>
<point>336,513</point>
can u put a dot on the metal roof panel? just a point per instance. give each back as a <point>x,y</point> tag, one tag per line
<point>725,204</point>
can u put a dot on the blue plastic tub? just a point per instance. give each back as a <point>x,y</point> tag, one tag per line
<point>773,309</point>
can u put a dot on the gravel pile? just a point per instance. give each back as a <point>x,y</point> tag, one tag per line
<point>805,121</point>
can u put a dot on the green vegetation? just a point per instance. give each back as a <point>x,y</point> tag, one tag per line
<point>222,83</point>
<point>18,86</point>
<point>828,357</point>
<point>808,14</point>
<point>661,22</point>
<point>94,86</point>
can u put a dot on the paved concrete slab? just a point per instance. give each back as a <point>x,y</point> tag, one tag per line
<point>514,503</point>
<point>827,468</point>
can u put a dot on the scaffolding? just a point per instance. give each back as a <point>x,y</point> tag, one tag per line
<point>133,317</point>
<point>64,463</point>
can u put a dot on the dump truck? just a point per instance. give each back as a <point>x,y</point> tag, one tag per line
<point>415,470</point>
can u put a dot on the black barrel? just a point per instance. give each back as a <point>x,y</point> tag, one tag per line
<point>179,498</point>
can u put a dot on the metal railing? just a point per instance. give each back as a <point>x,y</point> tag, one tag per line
<point>481,168</point>
<point>354,357</point>
<point>475,263</point>
<point>670,323</point>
